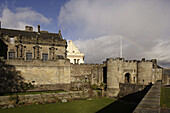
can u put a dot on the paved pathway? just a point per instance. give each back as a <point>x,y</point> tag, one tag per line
<point>151,102</point>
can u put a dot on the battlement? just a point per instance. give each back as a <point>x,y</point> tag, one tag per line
<point>152,60</point>
<point>88,65</point>
<point>130,61</point>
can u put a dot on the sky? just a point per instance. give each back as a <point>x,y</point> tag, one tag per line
<point>96,26</point>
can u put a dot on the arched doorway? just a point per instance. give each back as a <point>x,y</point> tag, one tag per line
<point>127,78</point>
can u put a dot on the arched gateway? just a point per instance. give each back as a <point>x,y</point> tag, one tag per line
<point>127,78</point>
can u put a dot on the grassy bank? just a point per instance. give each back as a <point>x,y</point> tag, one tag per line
<point>81,106</point>
<point>165,97</point>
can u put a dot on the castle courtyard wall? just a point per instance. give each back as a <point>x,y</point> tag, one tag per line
<point>145,72</point>
<point>84,75</point>
<point>43,72</point>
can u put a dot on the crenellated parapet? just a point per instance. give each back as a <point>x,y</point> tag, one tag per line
<point>88,65</point>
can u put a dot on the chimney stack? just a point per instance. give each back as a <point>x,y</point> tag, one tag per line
<point>39,28</point>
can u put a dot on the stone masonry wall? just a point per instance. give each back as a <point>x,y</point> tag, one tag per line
<point>126,88</point>
<point>43,72</point>
<point>112,79</point>
<point>145,72</point>
<point>90,72</point>
<point>43,98</point>
<point>84,75</point>
<point>166,76</point>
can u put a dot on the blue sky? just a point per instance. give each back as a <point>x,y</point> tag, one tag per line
<point>49,8</point>
<point>96,26</point>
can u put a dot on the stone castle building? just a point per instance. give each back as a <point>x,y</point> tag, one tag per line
<point>41,58</point>
<point>73,53</point>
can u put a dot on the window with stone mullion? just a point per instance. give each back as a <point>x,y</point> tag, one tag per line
<point>37,52</point>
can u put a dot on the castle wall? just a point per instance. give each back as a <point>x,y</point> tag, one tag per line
<point>131,68</point>
<point>145,72</point>
<point>86,72</point>
<point>122,67</point>
<point>43,72</point>
<point>112,78</point>
<point>166,76</point>
<point>126,89</point>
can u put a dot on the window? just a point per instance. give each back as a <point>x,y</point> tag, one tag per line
<point>77,61</point>
<point>45,57</point>
<point>74,61</point>
<point>134,79</point>
<point>60,57</point>
<point>28,56</point>
<point>11,55</point>
<point>38,53</point>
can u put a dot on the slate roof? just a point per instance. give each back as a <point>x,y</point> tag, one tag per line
<point>29,34</point>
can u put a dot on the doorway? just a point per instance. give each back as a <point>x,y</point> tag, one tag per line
<point>127,78</point>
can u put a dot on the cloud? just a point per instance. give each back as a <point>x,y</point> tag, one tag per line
<point>97,49</point>
<point>21,17</point>
<point>144,26</point>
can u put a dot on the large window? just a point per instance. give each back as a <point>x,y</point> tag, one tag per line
<point>11,55</point>
<point>45,57</point>
<point>74,61</point>
<point>78,61</point>
<point>28,56</point>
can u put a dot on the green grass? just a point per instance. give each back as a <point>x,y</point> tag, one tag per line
<point>81,106</point>
<point>165,97</point>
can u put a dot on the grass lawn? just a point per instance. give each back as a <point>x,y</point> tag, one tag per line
<point>165,97</point>
<point>81,106</point>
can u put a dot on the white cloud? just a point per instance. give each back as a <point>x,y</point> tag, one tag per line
<point>21,18</point>
<point>143,22</point>
<point>97,49</point>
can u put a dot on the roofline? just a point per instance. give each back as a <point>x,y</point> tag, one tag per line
<point>28,31</point>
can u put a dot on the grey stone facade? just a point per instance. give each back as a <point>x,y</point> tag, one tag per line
<point>166,76</point>
<point>41,58</point>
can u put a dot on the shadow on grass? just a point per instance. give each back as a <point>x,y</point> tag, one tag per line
<point>126,104</point>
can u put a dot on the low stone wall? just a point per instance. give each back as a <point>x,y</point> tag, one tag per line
<point>126,88</point>
<point>151,102</point>
<point>50,87</point>
<point>15,100</point>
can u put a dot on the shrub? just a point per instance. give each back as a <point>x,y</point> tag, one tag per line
<point>94,87</point>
